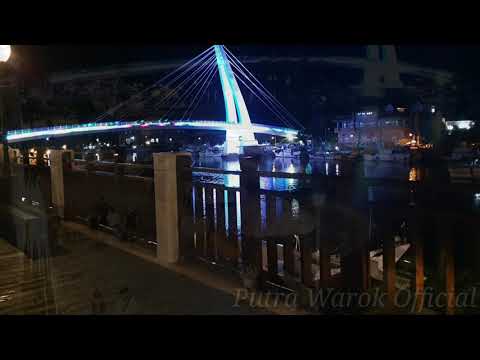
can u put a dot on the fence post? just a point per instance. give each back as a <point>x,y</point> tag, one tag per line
<point>447,253</point>
<point>57,165</point>
<point>168,168</point>
<point>416,239</point>
<point>250,210</point>
<point>8,158</point>
<point>389,266</point>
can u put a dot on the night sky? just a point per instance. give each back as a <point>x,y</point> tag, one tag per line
<point>42,59</point>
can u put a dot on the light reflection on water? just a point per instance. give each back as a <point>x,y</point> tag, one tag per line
<point>368,169</point>
<point>293,166</point>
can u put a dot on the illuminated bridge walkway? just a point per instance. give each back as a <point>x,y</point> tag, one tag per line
<point>187,85</point>
<point>16,136</point>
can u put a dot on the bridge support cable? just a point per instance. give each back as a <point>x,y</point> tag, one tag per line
<point>278,112</point>
<point>201,80</point>
<point>183,95</point>
<point>190,89</point>
<point>171,92</point>
<point>199,95</point>
<point>233,59</point>
<point>179,87</point>
<point>259,86</point>
<point>185,67</point>
<point>269,98</point>
<point>275,112</point>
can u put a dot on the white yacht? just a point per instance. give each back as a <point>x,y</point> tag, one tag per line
<point>286,152</point>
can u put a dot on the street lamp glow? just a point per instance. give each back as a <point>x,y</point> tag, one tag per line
<point>290,137</point>
<point>5,52</point>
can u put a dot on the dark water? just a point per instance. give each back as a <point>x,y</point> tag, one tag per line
<point>295,166</point>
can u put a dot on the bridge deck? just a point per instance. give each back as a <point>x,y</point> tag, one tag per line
<point>68,130</point>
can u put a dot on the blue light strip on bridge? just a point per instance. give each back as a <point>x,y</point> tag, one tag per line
<point>66,130</point>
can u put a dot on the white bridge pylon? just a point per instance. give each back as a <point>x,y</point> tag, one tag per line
<point>235,107</point>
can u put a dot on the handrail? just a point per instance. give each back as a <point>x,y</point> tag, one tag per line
<point>216,171</point>
<point>366,181</point>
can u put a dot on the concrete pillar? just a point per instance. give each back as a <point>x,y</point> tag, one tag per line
<point>56,176</point>
<point>6,156</point>
<point>373,52</point>
<point>391,72</point>
<point>2,154</point>
<point>14,155</point>
<point>167,168</point>
<point>381,70</point>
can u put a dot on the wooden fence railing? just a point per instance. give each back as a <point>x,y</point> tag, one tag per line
<point>322,236</point>
<point>319,236</point>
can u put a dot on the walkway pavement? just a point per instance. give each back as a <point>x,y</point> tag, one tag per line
<point>65,284</point>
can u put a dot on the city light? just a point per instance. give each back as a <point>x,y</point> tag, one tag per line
<point>64,147</point>
<point>461,124</point>
<point>290,137</point>
<point>30,134</point>
<point>5,52</point>
<point>365,113</point>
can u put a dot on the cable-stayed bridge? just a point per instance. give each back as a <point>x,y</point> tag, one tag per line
<point>171,102</point>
